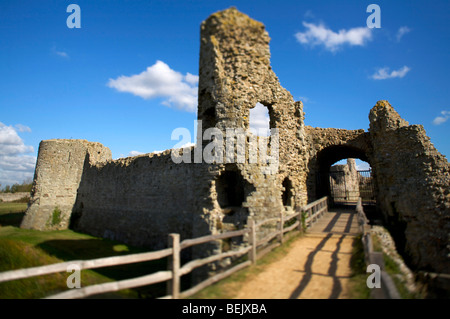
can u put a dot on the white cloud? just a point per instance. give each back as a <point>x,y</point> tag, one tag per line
<point>22,128</point>
<point>11,143</point>
<point>445,115</point>
<point>15,165</point>
<point>160,81</point>
<point>259,120</point>
<point>362,166</point>
<point>134,153</point>
<point>191,79</point>
<point>401,32</point>
<point>321,35</point>
<point>62,54</point>
<point>187,145</point>
<point>304,99</point>
<point>59,53</point>
<point>137,153</point>
<point>383,73</point>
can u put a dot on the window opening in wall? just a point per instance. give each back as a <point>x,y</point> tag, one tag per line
<point>259,121</point>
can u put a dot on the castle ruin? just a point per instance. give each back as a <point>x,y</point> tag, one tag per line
<point>141,199</point>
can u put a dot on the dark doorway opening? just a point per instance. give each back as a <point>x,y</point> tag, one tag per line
<point>230,189</point>
<point>287,196</point>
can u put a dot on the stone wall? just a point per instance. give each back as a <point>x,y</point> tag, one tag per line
<point>235,74</point>
<point>413,181</point>
<point>57,177</point>
<point>10,197</point>
<point>345,180</point>
<point>138,200</point>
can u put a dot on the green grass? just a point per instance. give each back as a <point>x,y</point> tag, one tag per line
<point>12,213</point>
<point>394,271</point>
<point>18,254</point>
<point>358,284</point>
<point>23,248</point>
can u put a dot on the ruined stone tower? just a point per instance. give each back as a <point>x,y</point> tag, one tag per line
<point>139,200</point>
<point>57,177</point>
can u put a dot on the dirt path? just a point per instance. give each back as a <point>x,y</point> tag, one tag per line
<point>317,266</point>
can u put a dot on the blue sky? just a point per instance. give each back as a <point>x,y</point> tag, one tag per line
<point>127,77</point>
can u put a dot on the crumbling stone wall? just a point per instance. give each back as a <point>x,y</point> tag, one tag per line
<point>57,176</point>
<point>235,74</point>
<point>345,180</point>
<point>413,181</point>
<point>10,197</point>
<point>139,200</point>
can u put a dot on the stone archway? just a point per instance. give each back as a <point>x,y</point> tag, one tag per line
<point>327,157</point>
<point>328,146</point>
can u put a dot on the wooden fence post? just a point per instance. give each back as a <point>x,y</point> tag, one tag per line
<point>252,240</point>
<point>281,227</point>
<point>300,221</point>
<point>309,223</point>
<point>173,286</point>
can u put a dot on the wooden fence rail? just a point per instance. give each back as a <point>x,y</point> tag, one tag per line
<point>304,218</point>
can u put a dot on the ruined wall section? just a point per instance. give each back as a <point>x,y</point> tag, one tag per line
<point>10,197</point>
<point>58,172</point>
<point>235,74</point>
<point>345,180</point>
<point>139,200</point>
<point>414,184</point>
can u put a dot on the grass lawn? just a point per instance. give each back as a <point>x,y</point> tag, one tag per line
<point>12,213</point>
<point>23,248</point>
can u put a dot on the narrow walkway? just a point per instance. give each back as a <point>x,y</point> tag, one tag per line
<point>316,267</point>
<point>338,221</point>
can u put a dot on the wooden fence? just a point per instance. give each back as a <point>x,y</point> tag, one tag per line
<point>300,220</point>
<point>388,288</point>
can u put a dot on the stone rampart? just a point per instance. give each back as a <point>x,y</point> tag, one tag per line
<point>10,197</point>
<point>57,177</point>
<point>138,200</point>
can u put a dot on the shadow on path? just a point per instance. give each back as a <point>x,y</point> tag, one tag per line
<point>308,268</point>
<point>332,270</point>
<point>332,222</point>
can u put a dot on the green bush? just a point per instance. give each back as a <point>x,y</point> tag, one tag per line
<point>56,216</point>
